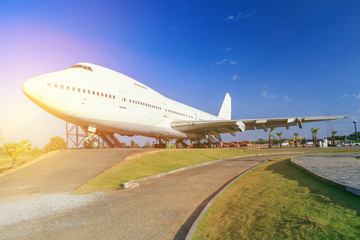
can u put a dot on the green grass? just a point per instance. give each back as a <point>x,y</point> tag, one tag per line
<point>279,201</point>
<point>6,162</point>
<point>156,163</point>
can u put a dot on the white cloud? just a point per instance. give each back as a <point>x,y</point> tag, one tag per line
<point>264,86</point>
<point>354,95</point>
<point>264,94</point>
<point>228,49</point>
<point>249,15</point>
<point>220,62</point>
<point>229,18</point>
<point>235,77</point>
<point>233,62</point>
<point>233,18</point>
<point>272,96</point>
<point>238,16</point>
<point>286,98</point>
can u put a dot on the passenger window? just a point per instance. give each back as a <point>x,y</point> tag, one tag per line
<point>55,85</point>
<point>93,92</point>
<point>49,84</point>
<point>113,97</point>
<point>67,88</point>
<point>88,91</point>
<point>97,93</point>
<point>102,94</point>
<point>73,89</point>
<point>79,90</point>
<point>105,94</point>
<point>62,86</point>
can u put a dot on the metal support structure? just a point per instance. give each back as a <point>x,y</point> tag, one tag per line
<point>74,135</point>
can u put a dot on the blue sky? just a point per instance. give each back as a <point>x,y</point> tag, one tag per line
<point>275,58</point>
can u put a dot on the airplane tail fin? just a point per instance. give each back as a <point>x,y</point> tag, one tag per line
<point>225,110</point>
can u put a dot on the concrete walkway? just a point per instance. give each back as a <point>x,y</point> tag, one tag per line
<point>162,208</point>
<point>63,172</point>
<point>341,170</point>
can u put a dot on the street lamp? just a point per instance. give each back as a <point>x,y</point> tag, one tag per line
<point>355,121</point>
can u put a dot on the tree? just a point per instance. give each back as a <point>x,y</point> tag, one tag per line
<point>333,133</point>
<point>35,151</point>
<point>15,150</point>
<point>314,131</point>
<point>296,134</point>
<point>1,139</point>
<point>56,143</point>
<point>132,144</point>
<point>271,129</point>
<point>147,144</point>
<point>279,134</point>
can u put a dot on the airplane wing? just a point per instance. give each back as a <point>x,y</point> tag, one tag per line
<point>231,126</point>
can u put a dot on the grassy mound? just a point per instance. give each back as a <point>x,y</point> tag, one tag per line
<point>279,201</point>
<point>156,163</point>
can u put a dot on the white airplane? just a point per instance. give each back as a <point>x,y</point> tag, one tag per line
<point>104,102</point>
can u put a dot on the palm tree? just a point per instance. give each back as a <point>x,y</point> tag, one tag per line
<point>296,134</point>
<point>15,150</point>
<point>279,134</point>
<point>314,131</point>
<point>271,129</point>
<point>333,136</point>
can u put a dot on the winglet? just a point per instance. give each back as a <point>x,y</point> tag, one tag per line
<point>225,110</point>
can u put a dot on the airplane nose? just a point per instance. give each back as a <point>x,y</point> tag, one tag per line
<point>33,88</point>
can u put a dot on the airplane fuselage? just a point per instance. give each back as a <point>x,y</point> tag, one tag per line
<point>90,95</point>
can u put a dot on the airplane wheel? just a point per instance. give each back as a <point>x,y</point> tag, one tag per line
<point>86,145</point>
<point>94,143</point>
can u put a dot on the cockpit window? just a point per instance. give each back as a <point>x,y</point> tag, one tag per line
<point>82,66</point>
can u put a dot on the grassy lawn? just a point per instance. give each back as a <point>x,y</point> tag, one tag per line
<point>6,162</point>
<point>279,201</point>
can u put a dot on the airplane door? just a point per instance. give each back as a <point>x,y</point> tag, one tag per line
<point>165,110</point>
<point>122,99</point>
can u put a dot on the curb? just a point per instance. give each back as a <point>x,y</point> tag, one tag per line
<point>42,157</point>
<point>340,186</point>
<point>194,226</point>
<point>136,183</point>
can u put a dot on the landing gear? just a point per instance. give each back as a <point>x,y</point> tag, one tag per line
<point>91,139</point>
<point>94,143</point>
<point>160,144</point>
<point>205,144</point>
<point>181,144</point>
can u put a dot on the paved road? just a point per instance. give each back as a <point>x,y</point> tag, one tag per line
<point>164,208</point>
<point>63,172</point>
